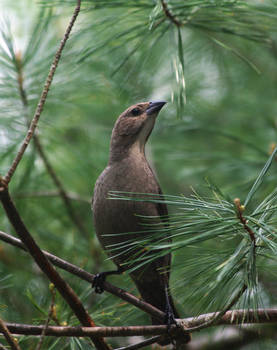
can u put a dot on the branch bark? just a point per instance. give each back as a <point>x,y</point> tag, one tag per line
<point>77,271</point>
<point>169,15</point>
<point>65,290</point>
<point>10,339</point>
<point>233,317</point>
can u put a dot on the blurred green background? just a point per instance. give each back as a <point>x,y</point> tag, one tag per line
<point>216,67</point>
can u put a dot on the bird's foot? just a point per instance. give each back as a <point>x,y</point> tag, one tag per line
<point>98,282</point>
<point>169,320</point>
<point>100,278</point>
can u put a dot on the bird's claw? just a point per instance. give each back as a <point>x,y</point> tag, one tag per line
<point>169,320</point>
<point>98,282</point>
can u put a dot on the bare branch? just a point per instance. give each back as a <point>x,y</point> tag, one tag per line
<point>10,339</point>
<point>43,97</point>
<point>169,15</point>
<point>233,317</point>
<point>65,290</point>
<point>77,271</point>
<point>60,331</point>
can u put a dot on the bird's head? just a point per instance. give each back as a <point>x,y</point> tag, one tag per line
<point>133,127</point>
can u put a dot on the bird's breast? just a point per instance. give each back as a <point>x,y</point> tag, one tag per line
<point>119,221</point>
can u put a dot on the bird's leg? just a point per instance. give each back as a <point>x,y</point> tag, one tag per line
<point>100,278</point>
<point>169,318</point>
<point>169,314</point>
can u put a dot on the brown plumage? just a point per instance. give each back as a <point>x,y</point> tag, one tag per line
<point>129,171</point>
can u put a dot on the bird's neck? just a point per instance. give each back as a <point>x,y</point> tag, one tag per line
<point>134,152</point>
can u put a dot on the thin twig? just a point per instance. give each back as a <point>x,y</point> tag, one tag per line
<point>169,15</point>
<point>50,313</point>
<point>232,317</point>
<point>240,209</point>
<point>43,97</point>
<point>61,190</point>
<point>10,339</point>
<point>77,271</point>
<point>65,290</point>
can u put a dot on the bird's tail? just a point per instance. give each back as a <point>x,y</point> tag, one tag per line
<point>155,295</point>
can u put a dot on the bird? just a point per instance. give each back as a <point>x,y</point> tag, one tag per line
<point>118,221</point>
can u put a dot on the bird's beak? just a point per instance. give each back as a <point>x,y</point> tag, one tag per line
<point>155,107</point>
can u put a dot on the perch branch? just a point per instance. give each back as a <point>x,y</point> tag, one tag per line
<point>232,317</point>
<point>77,271</point>
<point>65,290</point>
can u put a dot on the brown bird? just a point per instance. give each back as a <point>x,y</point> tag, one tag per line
<point>129,171</point>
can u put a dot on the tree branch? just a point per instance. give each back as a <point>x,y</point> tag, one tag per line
<point>240,209</point>
<point>169,15</point>
<point>65,290</point>
<point>43,97</point>
<point>233,317</point>
<point>10,339</point>
<point>61,190</point>
<point>77,271</point>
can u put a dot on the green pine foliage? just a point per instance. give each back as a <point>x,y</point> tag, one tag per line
<point>215,63</point>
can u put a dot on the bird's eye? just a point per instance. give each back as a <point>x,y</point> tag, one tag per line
<point>135,112</point>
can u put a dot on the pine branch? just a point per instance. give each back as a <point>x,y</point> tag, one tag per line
<point>43,97</point>
<point>232,317</point>
<point>86,276</point>
<point>169,15</point>
<point>231,338</point>
<point>10,339</point>
<point>61,190</point>
<point>65,290</point>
